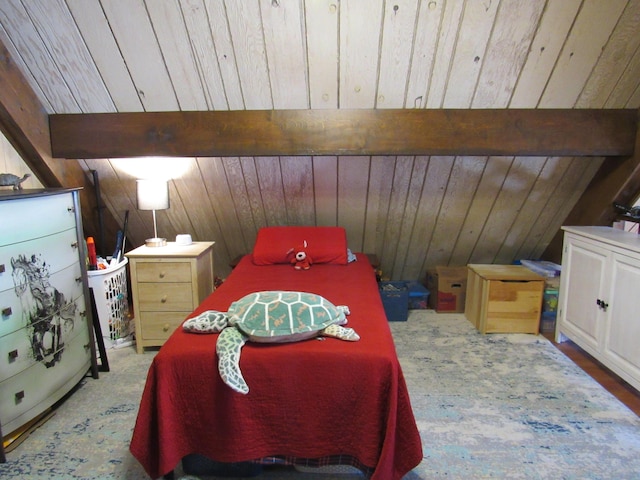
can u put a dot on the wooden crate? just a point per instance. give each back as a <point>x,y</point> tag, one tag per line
<point>504,298</point>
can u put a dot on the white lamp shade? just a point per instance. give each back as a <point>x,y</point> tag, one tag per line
<point>153,194</point>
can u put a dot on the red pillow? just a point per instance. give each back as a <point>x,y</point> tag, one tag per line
<point>324,244</point>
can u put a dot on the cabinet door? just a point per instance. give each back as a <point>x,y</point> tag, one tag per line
<point>623,323</point>
<point>584,272</point>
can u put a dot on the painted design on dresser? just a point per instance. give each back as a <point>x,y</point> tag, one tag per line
<point>46,312</point>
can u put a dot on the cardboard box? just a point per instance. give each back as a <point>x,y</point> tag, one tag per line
<point>448,287</point>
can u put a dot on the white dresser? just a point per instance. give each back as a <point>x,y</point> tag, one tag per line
<point>599,297</point>
<point>46,334</point>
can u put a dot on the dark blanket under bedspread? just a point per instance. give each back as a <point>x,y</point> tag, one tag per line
<point>309,399</point>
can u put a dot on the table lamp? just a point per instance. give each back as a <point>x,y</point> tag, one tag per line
<point>153,195</point>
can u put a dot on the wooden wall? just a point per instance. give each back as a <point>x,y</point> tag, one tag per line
<point>414,212</point>
<point>90,56</point>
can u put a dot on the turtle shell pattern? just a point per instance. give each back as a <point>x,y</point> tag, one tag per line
<point>269,316</point>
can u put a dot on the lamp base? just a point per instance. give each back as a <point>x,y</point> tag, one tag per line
<point>155,242</point>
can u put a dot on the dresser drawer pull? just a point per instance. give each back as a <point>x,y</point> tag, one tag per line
<point>166,327</point>
<point>163,299</point>
<point>83,313</point>
<point>162,274</point>
<point>6,311</point>
<point>2,268</point>
<point>74,245</point>
<point>13,354</point>
<point>19,396</point>
<point>78,279</point>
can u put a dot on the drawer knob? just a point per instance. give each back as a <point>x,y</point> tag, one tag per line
<point>602,304</point>
<point>6,311</point>
<point>78,279</point>
<point>165,327</point>
<point>13,354</point>
<point>2,269</point>
<point>71,209</point>
<point>74,245</point>
<point>19,396</point>
<point>163,299</point>
<point>162,274</point>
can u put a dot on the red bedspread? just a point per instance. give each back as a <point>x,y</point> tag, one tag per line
<point>308,399</point>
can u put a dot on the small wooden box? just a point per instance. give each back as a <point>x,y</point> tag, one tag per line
<point>504,298</point>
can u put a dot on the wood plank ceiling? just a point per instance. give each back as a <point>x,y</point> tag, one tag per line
<point>413,211</point>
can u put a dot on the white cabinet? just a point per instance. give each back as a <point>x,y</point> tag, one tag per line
<point>46,336</point>
<point>600,297</point>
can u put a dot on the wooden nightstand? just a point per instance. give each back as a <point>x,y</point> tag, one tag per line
<point>167,283</point>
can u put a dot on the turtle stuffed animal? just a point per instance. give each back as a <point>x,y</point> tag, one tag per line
<point>11,180</point>
<point>269,317</point>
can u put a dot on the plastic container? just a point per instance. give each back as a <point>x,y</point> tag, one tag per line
<point>542,267</point>
<point>395,298</point>
<point>418,296</point>
<point>112,303</point>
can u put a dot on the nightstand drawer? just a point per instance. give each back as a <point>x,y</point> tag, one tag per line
<point>165,297</point>
<point>163,272</point>
<point>160,325</point>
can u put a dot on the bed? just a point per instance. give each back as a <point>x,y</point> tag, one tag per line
<point>310,403</point>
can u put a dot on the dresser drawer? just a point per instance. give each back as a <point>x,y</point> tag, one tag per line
<point>159,271</point>
<point>30,218</point>
<point>158,326</point>
<point>17,352</point>
<point>165,297</point>
<point>46,255</point>
<point>13,313</point>
<point>22,393</point>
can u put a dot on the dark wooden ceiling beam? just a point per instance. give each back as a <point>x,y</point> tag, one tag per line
<point>536,132</point>
<point>617,180</point>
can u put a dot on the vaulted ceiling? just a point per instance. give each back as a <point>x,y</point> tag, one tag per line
<point>414,211</point>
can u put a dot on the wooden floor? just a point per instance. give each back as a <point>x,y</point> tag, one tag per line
<point>605,377</point>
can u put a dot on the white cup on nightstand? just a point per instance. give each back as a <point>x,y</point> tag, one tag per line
<point>183,239</point>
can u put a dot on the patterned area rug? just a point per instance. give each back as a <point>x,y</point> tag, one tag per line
<point>492,406</point>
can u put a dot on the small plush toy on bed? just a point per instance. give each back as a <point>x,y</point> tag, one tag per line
<point>301,259</point>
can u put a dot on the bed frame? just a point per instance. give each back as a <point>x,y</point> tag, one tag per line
<point>313,403</point>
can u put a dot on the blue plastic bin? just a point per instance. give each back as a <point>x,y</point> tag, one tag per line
<point>395,298</point>
<point>418,296</point>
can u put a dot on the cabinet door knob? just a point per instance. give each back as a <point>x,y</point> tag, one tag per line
<point>163,299</point>
<point>6,311</point>
<point>165,327</point>
<point>602,304</point>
